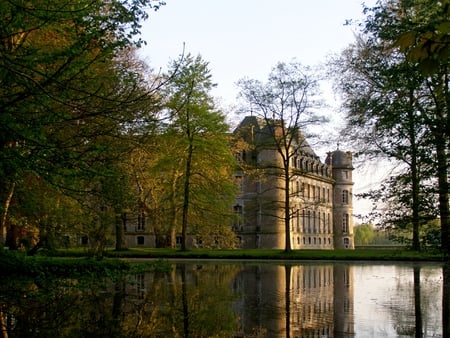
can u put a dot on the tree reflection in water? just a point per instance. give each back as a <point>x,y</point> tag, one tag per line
<point>211,299</point>
<point>446,301</point>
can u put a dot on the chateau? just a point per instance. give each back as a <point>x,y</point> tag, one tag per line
<point>320,194</point>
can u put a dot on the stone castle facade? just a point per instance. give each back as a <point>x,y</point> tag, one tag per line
<point>320,194</point>
<point>321,199</point>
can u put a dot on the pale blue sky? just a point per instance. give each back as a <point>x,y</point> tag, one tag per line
<point>246,38</point>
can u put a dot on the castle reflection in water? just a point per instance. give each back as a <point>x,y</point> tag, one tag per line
<point>295,301</point>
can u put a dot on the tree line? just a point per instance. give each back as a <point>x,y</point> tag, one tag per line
<point>89,133</point>
<point>394,82</point>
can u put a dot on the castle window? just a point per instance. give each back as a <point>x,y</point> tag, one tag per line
<point>238,181</point>
<point>314,222</point>
<point>141,221</point>
<point>84,240</point>
<point>318,221</point>
<point>140,240</point>
<point>344,196</point>
<point>237,210</point>
<point>345,174</point>
<point>309,221</point>
<point>304,220</point>
<point>345,224</point>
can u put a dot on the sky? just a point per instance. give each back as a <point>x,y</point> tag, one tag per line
<point>247,38</point>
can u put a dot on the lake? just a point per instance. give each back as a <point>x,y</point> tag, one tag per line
<point>203,298</point>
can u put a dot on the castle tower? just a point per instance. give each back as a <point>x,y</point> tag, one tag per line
<point>342,168</point>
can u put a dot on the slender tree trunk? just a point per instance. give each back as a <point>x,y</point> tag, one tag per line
<point>287,210</point>
<point>3,325</point>
<point>417,302</point>
<point>440,126</point>
<point>184,223</point>
<point>287,269</point>
<point>184,297</point>
<point>446,300</point>
<point>120,232</point>
<point>173,212</point>
<point>3,228</point>
<point>415,178</point>
<point>441,155</point>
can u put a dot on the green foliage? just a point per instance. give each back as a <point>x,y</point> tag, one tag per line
<point>397,111</point>
<point>428,40</point>
<point>72,87</point>
<point>200,163</point>
<point>395,253</point>
<point>363,233</point>
<point>17,263</point>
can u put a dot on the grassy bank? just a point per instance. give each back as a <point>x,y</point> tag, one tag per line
<point>75,262</point>
<point>267,254</point>
<point>18,264</point>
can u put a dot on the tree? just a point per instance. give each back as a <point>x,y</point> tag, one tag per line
<point>156,171</point>
<point>202,155</point>
<point>287,103</point>
<point>64,86</point>
<point>363,234</point>
<point>396,111</point>
<point>427,42</point>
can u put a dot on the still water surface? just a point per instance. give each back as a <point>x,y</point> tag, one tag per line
<point>238,299</point>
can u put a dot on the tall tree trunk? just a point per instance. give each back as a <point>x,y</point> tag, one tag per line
<point>446,300</point>
<point>417,302</point>
<point>287,210</point>
<point>172,233</point>
<point>287,293</point>
<point>442,165</point>
<point>415,177</point>
<point>184,300</point>
<point>3,228</point>
<point>121,221</point>
<point>187,178</point>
